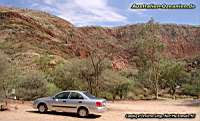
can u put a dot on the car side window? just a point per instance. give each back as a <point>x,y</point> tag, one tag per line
<point>75,95</point>
<point>63,95</point>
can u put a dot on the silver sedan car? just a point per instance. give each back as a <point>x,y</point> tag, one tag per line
<point>81,102</point>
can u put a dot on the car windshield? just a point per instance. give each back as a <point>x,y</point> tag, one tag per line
<point>89,95</point>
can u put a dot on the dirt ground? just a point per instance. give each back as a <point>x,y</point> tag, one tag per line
<point>116,111</point>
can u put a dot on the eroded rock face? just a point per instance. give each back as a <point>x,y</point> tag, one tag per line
<point>23,31</point>
<point>14,16</point>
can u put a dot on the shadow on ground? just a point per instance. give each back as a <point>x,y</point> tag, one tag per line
<point>194,103</point>
<point>90,116</point>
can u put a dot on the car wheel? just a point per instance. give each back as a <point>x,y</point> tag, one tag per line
<point>42,108</point>
<point>82,112</point>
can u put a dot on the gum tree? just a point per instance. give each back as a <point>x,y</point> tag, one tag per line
<point>149,48</point>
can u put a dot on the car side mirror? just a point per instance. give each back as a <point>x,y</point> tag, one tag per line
<point>53,97</point>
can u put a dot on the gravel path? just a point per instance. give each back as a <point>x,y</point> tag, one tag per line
<point>116,111</point>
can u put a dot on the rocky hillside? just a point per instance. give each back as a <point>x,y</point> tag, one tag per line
<point>26,35</point>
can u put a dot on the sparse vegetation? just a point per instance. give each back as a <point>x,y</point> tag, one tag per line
<point>31,85</point>
<point>4,78</point>
<point>155,53</point>
<point>193,86</point>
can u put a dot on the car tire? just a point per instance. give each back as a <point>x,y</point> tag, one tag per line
<point>82,112</point>
<point>42,108</point>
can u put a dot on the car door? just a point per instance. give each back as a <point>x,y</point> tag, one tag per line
<point>59,102</point>
<point>75,100</point>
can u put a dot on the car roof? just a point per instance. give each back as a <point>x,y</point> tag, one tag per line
<point>73,91</point>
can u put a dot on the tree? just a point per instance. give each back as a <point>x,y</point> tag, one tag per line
<point>115,83</point>
<point>87,72</point>
<point>8,81</point>
<point>149,48</point>
<point>97,61</point>
<point>67,76</point>
<point>31,85</point>
<point>5,70</point>
<point>91,74</point>
<point>151,21</point>
<point>173,75</point>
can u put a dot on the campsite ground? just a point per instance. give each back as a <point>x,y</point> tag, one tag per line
<point>116,111</point>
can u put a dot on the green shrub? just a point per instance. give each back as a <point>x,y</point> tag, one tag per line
<point>192,90</point>
<point>192,87</point>
<point>52,89</point>
<point>31,86</point>
<point>107,95</point>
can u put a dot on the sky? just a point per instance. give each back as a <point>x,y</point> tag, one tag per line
<point>111,12</point>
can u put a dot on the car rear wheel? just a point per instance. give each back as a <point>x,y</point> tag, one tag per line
<point>82,112</point>
<point>42,108</point>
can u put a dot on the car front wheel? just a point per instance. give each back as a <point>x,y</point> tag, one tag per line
<point>42,108</point>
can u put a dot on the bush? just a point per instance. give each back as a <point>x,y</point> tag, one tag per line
<point>5,72</point>
<point>115,84</point>
<point>192,90</point>
<point>66,76</point>
<point>107,95</point>
<point>31,86</point>
<point>52,89</point>
<point>192,87</point>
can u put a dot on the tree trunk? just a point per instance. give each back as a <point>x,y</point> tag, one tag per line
<point>121,96</point>
<point>173,93</point>
<point>156,89</point>
<point>4,90</point>
<point>90,87</point>
<point>157,74</point>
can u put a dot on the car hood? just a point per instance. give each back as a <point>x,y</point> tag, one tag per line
<point>44,98</point>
